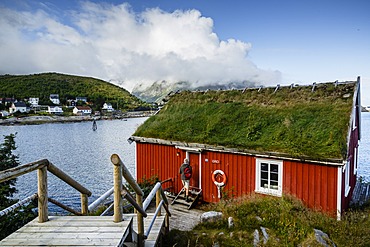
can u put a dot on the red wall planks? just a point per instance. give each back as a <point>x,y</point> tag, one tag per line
<point>314,184</point>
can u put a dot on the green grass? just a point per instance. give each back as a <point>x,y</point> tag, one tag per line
<point>296,122</point>
<point>288,223</point>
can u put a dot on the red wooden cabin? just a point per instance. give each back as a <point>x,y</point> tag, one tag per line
<point>322,179</point>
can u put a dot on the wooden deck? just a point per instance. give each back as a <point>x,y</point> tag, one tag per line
<point>82,231</point>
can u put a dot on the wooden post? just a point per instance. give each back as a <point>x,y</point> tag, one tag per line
<point>84,204</point>
<point>42,192</point>
<point>140,222</point>
<point>158,200</point>
<point>117,178</point>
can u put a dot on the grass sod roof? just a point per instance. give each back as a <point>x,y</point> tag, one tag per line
<point>296,122</point>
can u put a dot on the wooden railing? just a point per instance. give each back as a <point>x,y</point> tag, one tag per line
<point>119,191</point>
<point>120,170</point>
<point>42,167</point>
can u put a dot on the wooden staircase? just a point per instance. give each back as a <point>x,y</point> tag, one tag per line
<point>140,229</point>
<point>195,195</point>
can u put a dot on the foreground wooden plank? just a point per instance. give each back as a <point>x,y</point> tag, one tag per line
<point>71,231</point>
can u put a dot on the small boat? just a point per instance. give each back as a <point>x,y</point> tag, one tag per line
<point>94,127</point>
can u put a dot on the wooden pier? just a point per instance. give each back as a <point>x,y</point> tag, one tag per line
<point>71,231</point>
<point>139,229</point>
<point>83,231</point>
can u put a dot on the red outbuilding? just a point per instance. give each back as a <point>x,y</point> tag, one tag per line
<point>293,140</point>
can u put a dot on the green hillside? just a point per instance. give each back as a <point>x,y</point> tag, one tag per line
<point>68,87</point>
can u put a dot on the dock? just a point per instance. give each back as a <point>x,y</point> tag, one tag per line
<point>142,228</point>
<point>83,231</point>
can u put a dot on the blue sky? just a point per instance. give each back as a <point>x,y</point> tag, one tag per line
<point>138,42</point>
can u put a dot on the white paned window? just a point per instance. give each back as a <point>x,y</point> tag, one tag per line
<point>269,176</point>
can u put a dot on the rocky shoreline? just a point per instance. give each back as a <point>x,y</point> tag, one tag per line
<point>65,119</point>
<point>43,119</point>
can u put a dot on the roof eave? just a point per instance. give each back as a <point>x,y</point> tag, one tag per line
<point>205,147</point>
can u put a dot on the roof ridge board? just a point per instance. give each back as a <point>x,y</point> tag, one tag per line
<point>278,86</point>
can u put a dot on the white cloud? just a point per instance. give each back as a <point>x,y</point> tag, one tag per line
<point>112,42</point>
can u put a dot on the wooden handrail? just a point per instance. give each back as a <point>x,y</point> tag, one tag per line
<point>23,169</point>
<point>42,166</point>
<point>63,176</point>
<point>126,174</point>
<point>65,207</point>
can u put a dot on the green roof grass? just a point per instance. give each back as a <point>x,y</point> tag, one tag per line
<point>292,121</point>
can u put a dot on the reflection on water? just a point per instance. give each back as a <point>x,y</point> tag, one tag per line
<point>77,150</point>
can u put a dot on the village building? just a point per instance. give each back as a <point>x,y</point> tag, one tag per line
<point>108,107</point>
<point>55,99</point>
<point>295,140</point>
<point>4,113</point>
<point>82,110</point>
<point>56,110</point>
<point>7,101</point>
<point>34,102</point>
<point>19,106</point>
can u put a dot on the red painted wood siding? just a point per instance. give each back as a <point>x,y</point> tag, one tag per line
<point>239,170</point>
<point>315,185</point>
<point>159,160</point>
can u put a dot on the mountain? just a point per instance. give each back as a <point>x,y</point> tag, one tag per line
<point>159,89</point>
<point>68,87</point>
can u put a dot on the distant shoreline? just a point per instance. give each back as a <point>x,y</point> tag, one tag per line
<point>35,120</point>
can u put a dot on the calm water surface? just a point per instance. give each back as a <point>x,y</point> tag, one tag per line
<point>85,155</point>
<point>364,147</point>
<point>77,150</point>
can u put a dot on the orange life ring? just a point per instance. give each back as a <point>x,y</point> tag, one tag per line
<point>223,175</point>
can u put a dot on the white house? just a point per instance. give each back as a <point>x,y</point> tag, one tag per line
<point>55,110</point>
<point>34,101</point>
<point>108,107</point>
<point>55,99</point>
<point>18,106</point>
<point>82,110</point>
<point>4,113</point>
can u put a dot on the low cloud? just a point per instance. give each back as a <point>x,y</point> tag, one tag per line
<point>114,43</point>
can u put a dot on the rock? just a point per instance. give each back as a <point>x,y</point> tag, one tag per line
<point>323,238</point>
<point>258,218</point>
<point>216,244</point>
<point>211,216</point>
<point>230,220</point>
<point>256,238</point>
<point>265,235</point>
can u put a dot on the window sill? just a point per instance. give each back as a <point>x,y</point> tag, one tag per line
<point>271,193</point>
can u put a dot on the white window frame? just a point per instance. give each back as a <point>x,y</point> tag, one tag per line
<point>266,190</point>
<point>347,177</point>
<point>355,153</point>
